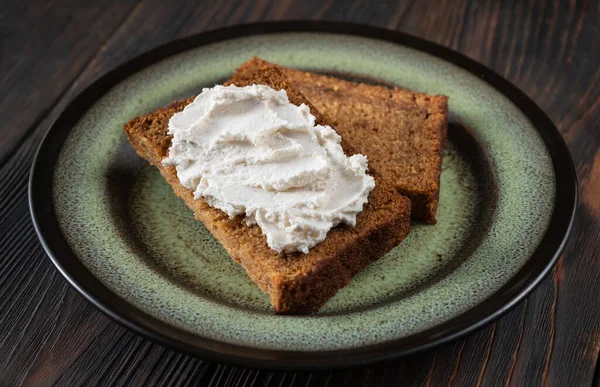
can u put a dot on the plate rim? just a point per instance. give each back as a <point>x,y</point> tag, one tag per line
<point>501,301</point>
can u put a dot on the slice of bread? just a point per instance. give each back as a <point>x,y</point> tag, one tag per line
<point>402,133</point>
<point>296,283</point>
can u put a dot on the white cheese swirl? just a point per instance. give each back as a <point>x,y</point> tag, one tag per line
<point>248,150</point>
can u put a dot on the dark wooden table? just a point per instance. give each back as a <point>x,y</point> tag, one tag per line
<point>50,51</point>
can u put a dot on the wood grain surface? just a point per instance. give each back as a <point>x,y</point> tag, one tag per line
<point>51,50</point>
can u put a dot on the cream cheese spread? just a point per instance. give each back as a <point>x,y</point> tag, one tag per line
<point>248,150</point>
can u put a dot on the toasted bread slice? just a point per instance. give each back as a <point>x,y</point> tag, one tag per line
<point>402,133</point>
<point>296,283</point>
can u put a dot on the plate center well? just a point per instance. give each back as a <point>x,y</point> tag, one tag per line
<point>162,230</point>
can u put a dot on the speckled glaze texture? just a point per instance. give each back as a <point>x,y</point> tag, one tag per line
<point>143,243</point>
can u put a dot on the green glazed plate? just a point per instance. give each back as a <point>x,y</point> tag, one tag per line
<point>117,232</point>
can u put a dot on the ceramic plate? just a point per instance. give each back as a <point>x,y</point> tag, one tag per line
<point>116,231</point>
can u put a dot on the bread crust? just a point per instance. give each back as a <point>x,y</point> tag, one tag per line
<point>296,283</point>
